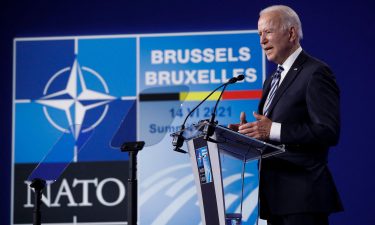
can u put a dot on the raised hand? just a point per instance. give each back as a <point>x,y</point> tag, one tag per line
<point>259,129</point>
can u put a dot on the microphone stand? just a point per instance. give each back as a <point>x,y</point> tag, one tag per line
<point>132,148</point>
<point>38,185</point>
<point>178,140</point>
<point>209,129</point>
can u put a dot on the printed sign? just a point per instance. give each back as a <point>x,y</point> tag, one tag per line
<point>80,85</point>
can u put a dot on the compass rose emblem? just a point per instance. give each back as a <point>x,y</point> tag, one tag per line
<point>75,99</point>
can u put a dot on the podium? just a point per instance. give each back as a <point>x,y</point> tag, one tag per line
<point>206,163</point>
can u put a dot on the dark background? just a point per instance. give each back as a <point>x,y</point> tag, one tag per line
<point>340,33</point>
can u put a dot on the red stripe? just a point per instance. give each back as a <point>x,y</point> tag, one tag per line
<point>254,94</point>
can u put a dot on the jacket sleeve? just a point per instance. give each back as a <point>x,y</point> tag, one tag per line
<point>322,125</point>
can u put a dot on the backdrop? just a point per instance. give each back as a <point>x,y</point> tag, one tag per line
<point>339,33</point>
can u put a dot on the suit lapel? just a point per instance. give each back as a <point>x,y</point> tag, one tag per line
<point>288,80</point>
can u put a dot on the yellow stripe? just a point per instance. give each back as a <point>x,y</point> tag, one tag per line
<point>198,96</point>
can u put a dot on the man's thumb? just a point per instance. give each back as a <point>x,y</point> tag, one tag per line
<point>243,118</point>
<point>257,116</point>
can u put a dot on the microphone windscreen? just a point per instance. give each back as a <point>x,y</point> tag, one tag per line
<point>240,77</point>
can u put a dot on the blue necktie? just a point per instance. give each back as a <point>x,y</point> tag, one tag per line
<point>274,85</point>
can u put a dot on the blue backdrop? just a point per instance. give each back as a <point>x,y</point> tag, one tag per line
<point>340,33</point>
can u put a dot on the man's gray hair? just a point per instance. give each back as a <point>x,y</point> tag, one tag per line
<point>289,17</point>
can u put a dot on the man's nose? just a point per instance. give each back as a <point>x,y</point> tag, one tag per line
<point>263,39</point>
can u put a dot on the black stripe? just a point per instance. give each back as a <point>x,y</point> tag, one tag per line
<point>159,97</point>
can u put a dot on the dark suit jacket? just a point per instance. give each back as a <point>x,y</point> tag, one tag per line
<point>307,105</point>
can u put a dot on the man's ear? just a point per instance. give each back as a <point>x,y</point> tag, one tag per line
<point>292,34</point>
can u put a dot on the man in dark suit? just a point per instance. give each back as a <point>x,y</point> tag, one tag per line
<point>300,109</point>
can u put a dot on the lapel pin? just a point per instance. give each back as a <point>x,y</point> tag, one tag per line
<point>295,68</point>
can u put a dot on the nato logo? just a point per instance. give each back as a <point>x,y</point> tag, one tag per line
<point>73,86</point>
<point>75,99</point>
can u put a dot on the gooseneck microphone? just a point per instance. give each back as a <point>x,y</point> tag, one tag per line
<point>178,140</point>
<point>209,128</point>
<point>231,81</point>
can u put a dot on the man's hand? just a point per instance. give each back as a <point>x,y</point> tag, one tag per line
<point>260,129</point>
<point>242,121</point>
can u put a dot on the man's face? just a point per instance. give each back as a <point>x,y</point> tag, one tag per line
<point>275,41</point>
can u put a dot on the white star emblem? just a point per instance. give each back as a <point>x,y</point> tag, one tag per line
<point>76,99</point>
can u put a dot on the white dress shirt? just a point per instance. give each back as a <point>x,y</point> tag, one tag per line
<point>275,132</point>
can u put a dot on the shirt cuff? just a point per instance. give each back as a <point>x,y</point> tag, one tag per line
<point>275,132</point>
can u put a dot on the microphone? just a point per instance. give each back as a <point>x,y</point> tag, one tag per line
<point>210,127</point>
<point>178,140</point>
<point>235,79</point>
